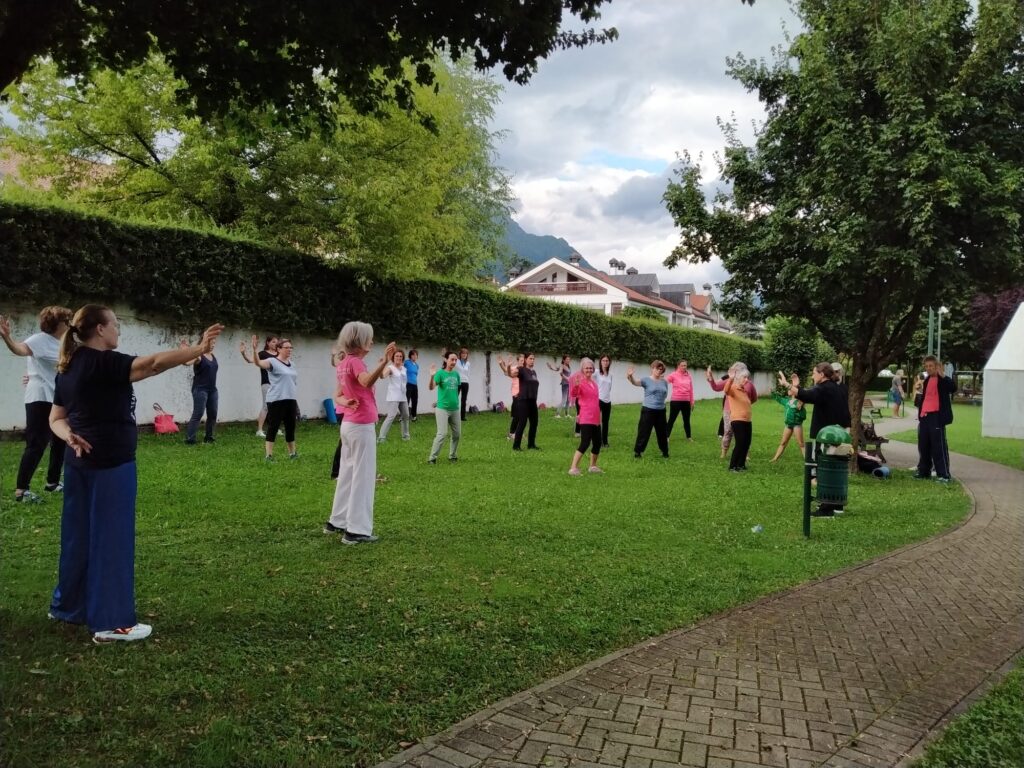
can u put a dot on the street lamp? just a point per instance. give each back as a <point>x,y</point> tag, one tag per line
<point>938,341</point>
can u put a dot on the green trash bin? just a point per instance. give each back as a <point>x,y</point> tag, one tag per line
<point>833,478</point>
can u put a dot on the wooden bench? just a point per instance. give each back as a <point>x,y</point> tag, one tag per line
<point>873,411</point>
<point>871,441</point>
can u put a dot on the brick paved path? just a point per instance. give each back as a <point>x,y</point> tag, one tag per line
<point>853,670</point>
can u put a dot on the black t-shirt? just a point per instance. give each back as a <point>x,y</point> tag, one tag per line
<point>97,393</point>
<point>264,374</point>
<point>529,386</point>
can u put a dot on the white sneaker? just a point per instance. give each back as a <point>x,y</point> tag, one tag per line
<point>260,433</point>
<point>596,471</point>
<point>124,634</point>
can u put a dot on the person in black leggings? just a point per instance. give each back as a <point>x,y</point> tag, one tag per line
<point>527,402</point>
<point>41,350</point>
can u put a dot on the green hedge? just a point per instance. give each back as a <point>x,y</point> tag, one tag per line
<point>190,278</point>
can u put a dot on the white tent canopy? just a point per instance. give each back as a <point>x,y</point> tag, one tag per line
<point>1002,412</point>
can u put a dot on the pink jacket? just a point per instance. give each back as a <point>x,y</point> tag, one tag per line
<point>586,393</point>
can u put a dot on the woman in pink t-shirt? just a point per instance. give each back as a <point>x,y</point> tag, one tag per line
<point>682,399</point>
<point>352,510</point>
<point>583,389</point>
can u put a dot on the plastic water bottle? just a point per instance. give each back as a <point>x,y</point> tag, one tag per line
<point>757,528</point>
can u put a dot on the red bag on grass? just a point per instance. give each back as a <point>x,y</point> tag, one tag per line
<point>163,422</point>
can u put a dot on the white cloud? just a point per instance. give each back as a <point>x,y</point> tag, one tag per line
<point>587,133</point>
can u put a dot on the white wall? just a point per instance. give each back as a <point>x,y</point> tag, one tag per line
<point>238,382</point>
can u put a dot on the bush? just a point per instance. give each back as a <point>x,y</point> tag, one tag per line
<point>193,278</point>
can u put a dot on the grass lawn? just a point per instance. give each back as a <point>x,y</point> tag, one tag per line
<point>990,734</point>
<point>276,645</point>
<point>964,436</point>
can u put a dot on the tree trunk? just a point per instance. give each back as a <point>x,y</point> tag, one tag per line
<point>27,29</point>
<point>860,377</point>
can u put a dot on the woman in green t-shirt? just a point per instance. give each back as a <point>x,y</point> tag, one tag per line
<point>447,382</point>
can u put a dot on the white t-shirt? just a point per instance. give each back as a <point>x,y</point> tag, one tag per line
<point>284,381</point>
<point>398,377</point>
<point>42,367</point>
<point>462,368</point>
<point>604,387</point>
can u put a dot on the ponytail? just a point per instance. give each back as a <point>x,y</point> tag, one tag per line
<point>81,328</point>
<point>826,370</point>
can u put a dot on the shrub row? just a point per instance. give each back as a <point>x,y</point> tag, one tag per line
<point>191,278</point>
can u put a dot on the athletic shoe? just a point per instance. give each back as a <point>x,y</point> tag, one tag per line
<point>917,476</point>
<point>53,487</point>
<point>124,634</point>
<point>453,459</point>
<point>260,433</point>
<point>557,416</point>
<point>28,498</point>
<point>358,538</point>
<point>734,469</point>
<point>638,455</point>
<point>269,459</point>
<point>413,418</point>
<point>405,437</point>
<point>381,440</point>
<point>838,510</point>
<point>823,512</point>
<point>943,480</point>
<point>209,439</point>
<point>596,471</point>
<point>328,528</point>
<point>574,472</point>
<point>293,455</point>
<point>431,461</point>
<point>533,447</point>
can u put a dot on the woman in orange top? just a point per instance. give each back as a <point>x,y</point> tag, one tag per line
<point>742,428</point>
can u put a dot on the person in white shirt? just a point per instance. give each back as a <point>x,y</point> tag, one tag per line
<point>42,351</point>
<point>604,395</point>
<point>397,377</point>
<point>462,368</point>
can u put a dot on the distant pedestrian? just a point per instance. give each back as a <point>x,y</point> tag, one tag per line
<point>447,381</point>
<point>934,413</point>
<point>462,367</point>
<point>412,389</point>
<point>269,350</point>
<point>41,352</point>
<point>604,395</point>
<point>563,369</point>
<point>652,414</point>
<point>584,390</point>
<point>897,392</point>
<point>282,396</point>
<point>682,397</point>
<point>352,507</point>
<point>397,380</point>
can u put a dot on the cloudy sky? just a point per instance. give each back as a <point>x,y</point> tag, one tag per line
<point>592,139</point>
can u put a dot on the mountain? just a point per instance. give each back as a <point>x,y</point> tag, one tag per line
<point>535,249</point>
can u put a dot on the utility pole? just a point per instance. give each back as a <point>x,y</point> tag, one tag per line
<point>931,331</point>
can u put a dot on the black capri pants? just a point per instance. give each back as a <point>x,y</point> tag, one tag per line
<point>590,437</point>
<point>281,412</point>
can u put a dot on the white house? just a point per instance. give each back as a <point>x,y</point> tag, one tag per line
<point>571,283</point>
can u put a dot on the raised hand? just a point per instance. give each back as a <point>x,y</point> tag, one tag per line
<point>183,343</point>
<point>708,373</point>
<point>389,350</point>
<point>5,325</point>
<point>433,370</point>
<point>255,343</point>
<point>241,347</point>
<point>629,372</point>
<point>210,337</point>
<point>782,380</point>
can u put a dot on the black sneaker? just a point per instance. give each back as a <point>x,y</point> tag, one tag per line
<point>431,461</point>
<point>823,512</point>
<point>210,440</point>
<point>53,487</point>
<point>453,459</point>
<point>328,528</point>
<point>533,447</point>
<point>358,538</point>
<point>637,455</point>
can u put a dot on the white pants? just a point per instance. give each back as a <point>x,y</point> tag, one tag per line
<point>446,420</point>
<point>357,479</point>
<point>394,408</point>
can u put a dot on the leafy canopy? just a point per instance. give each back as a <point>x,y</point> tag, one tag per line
<point>294,56</point>
<point>376,191</point>
<point>888,176</point>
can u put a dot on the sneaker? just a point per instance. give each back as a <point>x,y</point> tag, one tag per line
<point>260,433</point>
<point>533,447</point>
<point>823,512</point>
<point>943,480</point>
<point>53,487</point>
<point>358,538</point>
<point>838,510</point>
<point>574,472</point>
<point>431,461</point>
<point>269,459</point>
<point>917,476</point>
<point>293,455</point>
<point>413,418</point>
<point>209,439</point>
<point>28,498</point>
<point>406,437</point>
<point>381,440</point>
<point>453,459</point>
<point>637,455</point>
<point>557,416</point>
<point>596,471</point>
<point>328,528</point>
<point>124,634</point>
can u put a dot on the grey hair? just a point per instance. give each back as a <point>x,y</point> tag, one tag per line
<point>739,367</point>
<point>585,361</point>
<point>355,335</point>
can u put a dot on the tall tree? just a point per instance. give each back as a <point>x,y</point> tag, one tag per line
<point>381,191</point>
<point>888,174</point>
<point>293,55</point>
